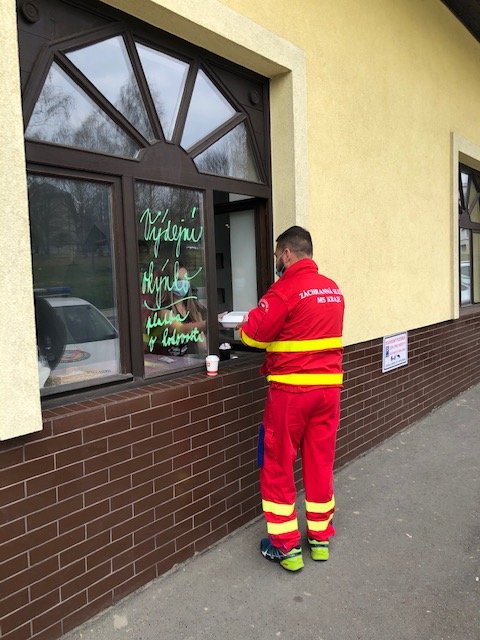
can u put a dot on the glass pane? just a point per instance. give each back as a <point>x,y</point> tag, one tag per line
<point>463,186</point>
<point>236,261</point>
<point>476,266</point>
<point>115,78</point>
<point>64,114</point>
<point>465,268</point>
<point>73,277</point>
<point>172,276</point>
<point>208,110</point>
<point>166,79</point>
<point>473,206</point>
<point>230,156</point>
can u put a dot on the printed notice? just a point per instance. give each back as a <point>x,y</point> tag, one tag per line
<point>395,351</point>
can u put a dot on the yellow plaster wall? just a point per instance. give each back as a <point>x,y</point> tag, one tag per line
<point>19,395</point>
<point>387,84</point>
<point>363,103</point>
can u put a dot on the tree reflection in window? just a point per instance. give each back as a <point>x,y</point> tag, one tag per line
<point>208,110</point>
<point>230,156</point>
<point>64,114</point>
<point>166,78</point>
<point>115,79</point>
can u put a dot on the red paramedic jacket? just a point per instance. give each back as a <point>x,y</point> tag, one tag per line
<point>299,323</point>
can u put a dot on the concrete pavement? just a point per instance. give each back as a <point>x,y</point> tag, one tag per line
<point>404,565</point>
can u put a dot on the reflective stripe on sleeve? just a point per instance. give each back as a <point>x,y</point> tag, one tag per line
<point>319,525</point>
<point>250,342</point>
<point>320,507</point>
<point>320,379</point>
<point>278,509</point>
<point>276,528</point>
<point>292,346</point>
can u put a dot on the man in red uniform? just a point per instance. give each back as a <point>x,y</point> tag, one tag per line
<point>299,323</point>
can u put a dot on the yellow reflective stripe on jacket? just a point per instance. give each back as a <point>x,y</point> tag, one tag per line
<point>320,507</point>
<point>291,346</point>
<point>319,525</point>
<point>321,379</point>
<point>278,509</point>
<point>250,342</point>
<point>276,528</point>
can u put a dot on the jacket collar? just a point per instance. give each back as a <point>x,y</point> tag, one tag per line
<point>305,264</point>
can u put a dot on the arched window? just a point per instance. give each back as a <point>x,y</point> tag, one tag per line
<point>148,177</point>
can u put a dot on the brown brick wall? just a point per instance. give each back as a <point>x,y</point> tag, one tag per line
<point>118,489</point>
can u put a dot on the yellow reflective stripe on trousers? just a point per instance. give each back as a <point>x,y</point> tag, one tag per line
<point>321,379</point>
<point>314,525</point>
<point>320,507</point>
<point>278,509</point>
<point>250,342</point>
<point>276,528</point>
<point>286,346</point>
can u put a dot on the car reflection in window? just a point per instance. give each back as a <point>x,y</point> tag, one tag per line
<point>83,322</point>
<point>91,349</point>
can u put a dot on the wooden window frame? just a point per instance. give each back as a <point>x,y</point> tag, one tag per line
<point>178,169</point>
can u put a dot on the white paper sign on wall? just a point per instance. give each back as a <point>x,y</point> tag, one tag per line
<point>395,351</point>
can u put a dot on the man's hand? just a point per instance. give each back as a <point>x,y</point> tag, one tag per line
<point>245,318</point>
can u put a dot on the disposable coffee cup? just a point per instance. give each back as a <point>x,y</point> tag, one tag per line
<point>212,365</point>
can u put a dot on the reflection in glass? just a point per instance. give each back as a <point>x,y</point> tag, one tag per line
<point>166,80</point>
<point>473,205</point>
<point>73,276</point>
<point>464,185</point>
<point>64,114</point>
<point>208,110</point>
<point>230,156</point>
<point>465,268</point>
<point>115,78</point>
<point>476,266</point>
<point>172,276</point>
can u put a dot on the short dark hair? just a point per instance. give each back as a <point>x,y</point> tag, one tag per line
<point>297,239</point>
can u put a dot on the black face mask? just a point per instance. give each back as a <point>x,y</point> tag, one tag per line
<point>279,270</point>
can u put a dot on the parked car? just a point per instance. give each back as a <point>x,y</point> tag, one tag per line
<point>90,346</point>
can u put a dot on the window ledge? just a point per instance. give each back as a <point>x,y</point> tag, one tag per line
<point>471,310</point>
<point>96,395</point>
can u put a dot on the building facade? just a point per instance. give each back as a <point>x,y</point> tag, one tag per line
<point>152,153</point>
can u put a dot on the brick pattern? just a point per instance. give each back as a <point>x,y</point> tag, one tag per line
<point>443,360</point>
<point>117,490</point>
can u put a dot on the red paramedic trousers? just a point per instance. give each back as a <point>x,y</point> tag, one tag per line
<point>293,420</point>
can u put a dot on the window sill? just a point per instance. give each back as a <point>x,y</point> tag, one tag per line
<point>127,383</point>
<point>471,310</point>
